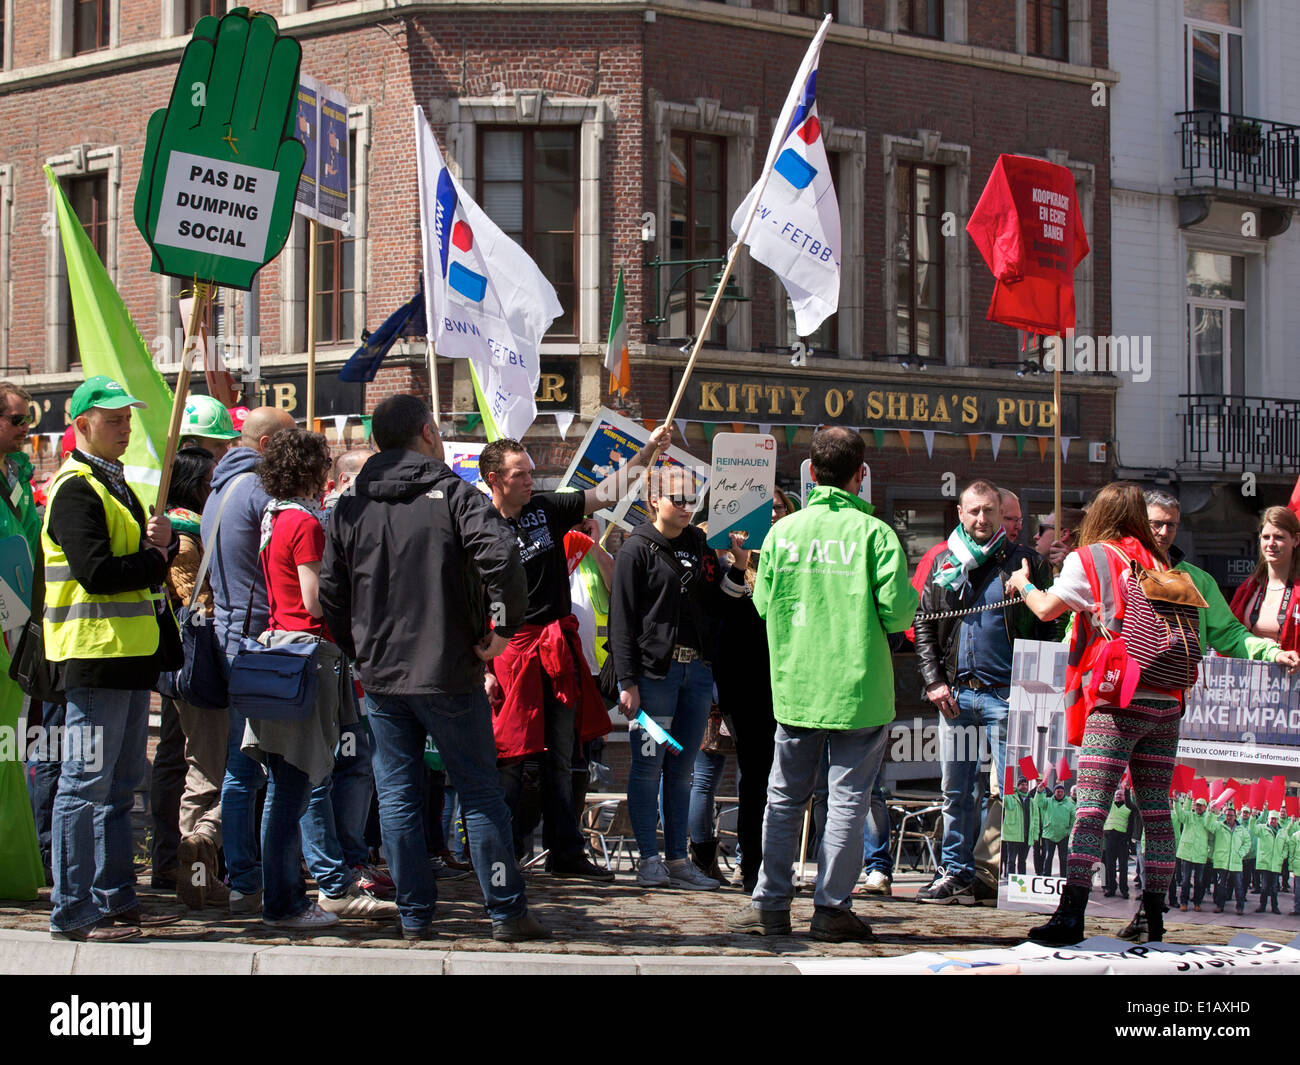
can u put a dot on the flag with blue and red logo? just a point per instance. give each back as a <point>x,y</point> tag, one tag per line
<point>791,218</point>
<point>487,301</point>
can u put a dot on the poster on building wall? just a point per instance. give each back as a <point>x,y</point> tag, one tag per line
<point>321,123</point>
<point>1233,800</point>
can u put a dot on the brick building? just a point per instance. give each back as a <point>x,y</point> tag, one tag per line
<point>608,133</point>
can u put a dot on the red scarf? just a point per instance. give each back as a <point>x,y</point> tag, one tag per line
<point>1243,603</point>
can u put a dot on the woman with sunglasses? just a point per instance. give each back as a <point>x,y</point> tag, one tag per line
<point>1268,603</point>
<point>662,627</point>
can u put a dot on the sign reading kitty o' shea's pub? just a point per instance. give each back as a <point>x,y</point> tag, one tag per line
<point>784,399</point>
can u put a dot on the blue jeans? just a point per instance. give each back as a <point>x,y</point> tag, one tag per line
<point>704,792</point>
<point>461,727</point>
<point>982,713</point>
<point>855,757</point>
<point>43,781</point>
<point>450,815</point>
<point>106,732</point>
<point>680,703</point>
<point>876,855</point>
<point>244,778</point>
<point>287,796</point>
<point>337,811</point>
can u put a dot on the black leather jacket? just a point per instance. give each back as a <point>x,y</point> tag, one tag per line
<point>936,643</point>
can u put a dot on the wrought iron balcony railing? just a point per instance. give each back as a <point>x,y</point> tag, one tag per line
<point>1241,433</point>
<point>1227,151</point>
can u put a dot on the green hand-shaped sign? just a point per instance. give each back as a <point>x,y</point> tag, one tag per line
<point>215,199</point>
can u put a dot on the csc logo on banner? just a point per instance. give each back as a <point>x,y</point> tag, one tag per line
<point>1044,889</point>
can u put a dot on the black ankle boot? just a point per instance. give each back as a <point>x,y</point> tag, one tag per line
<point>1153,903</point>
<point>705,857</point>
<point>1066,925</point>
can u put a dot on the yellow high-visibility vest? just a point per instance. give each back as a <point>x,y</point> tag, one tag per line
<point>79,624</point>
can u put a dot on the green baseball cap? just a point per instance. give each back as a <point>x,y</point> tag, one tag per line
<point>101,391</point>
<point>206,417</point>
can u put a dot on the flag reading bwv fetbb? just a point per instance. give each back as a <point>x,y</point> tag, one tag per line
<point>487,300</point>
<point>795,228</point>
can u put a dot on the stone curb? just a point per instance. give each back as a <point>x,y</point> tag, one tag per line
<point>35,953</point>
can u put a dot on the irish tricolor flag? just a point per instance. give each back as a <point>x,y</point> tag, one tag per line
<point>620,378</point>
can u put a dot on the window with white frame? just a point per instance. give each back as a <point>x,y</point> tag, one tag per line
<point>91,179</point>
<point>926,269</point>
<point>1216,323</point>
<point>533,161</point>
<point>1212,41</point>
<point>342,266</point>
<point>79,27</point>
<point>704,158</point>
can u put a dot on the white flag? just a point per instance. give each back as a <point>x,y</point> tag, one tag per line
<point>795,223</point>
<point>488,301</point>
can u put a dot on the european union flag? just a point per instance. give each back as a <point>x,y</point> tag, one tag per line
<point>407,320</point>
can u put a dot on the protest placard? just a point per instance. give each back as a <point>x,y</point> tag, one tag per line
<point>741,483</point>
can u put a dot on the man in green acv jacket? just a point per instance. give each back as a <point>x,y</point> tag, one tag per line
<point>832,584</point>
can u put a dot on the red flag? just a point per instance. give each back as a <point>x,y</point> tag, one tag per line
<point>1200,789</point>
<point>1234,784</point>
<point>1183,775</point>
<point>1217,787</point>
<point>1009,781</point>
<point>1063,769</point>
<point>1258,794</point>
<point>1294,505</point>
<point>1222,798</point>
<point>1292,806</point>
<point>1276,792</point>
<point>1028,768</point>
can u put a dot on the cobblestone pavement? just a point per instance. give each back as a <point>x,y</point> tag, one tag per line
<point>623,919</point>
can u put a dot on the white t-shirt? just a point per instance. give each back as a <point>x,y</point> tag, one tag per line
<point>1071,585</point>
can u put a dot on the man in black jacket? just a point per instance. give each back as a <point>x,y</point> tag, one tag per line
<point>416,561</point>
<point>108,625</point>
<point>965,665</point>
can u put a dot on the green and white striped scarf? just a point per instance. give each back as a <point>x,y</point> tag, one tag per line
<point>965,555</point>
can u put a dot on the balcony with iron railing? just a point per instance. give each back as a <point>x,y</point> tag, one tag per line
<point>1240,153</point>
<point>1241,433</point>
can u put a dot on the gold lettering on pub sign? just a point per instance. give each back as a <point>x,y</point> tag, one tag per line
<point>954,411</point>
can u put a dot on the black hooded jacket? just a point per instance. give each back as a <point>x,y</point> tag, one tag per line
<point>416,562</point>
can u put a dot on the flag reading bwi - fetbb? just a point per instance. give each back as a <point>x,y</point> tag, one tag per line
<point>487,300</point>
<point>796,225</point>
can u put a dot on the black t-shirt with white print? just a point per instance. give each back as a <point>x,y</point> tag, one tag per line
<point>540,530</point>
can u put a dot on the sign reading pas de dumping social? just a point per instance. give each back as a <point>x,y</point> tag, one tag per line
<point>221,165</point>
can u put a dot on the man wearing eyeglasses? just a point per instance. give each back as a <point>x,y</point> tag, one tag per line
<point>543,695</point>
<point>21,873</point>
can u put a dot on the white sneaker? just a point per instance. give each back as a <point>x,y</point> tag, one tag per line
<point>878,884</point>
<point>356,903</point>
<point>651,873</point>
<point>310,919</point>
<point>684,873</point>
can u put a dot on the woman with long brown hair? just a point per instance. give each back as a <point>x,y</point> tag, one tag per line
<point>1140,734</point>
<point>1268,602</point>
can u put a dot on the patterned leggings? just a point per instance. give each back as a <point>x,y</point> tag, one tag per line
<point>1143,737</point>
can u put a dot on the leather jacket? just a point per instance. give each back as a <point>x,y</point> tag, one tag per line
<point>936,641</point>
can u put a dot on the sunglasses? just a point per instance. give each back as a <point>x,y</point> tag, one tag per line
<point>20,419</point>
<point>1046,529</point>
<point>680,499</point>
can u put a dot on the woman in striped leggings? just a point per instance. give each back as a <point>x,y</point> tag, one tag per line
<point>1141,737</point>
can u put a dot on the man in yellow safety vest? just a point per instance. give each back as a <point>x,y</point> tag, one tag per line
<point>108,626</point>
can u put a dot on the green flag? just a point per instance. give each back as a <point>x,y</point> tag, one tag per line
<point>489,425</point>
<point>111,344</point>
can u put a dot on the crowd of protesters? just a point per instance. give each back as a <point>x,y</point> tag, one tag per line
<point>470,628</point>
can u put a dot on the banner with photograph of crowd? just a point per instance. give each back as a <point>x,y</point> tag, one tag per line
<point>1239,748</point>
